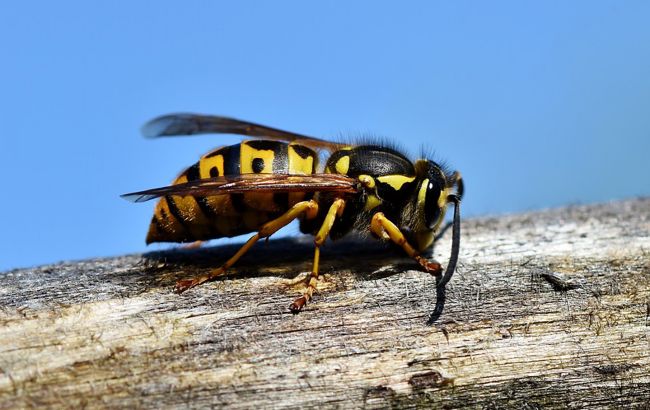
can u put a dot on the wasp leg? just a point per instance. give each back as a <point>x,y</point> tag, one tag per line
<point>336,209</point>
<point>384,228</point>
<point>308,208</point>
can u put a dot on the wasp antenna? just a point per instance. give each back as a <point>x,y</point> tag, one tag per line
<point>455,242</point>
<point>441,297</point>
<point>441,289</point>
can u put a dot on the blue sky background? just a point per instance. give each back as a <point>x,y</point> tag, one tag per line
<point>539,104</point>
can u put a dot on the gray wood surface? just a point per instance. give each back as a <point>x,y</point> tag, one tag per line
<point>547,309</point>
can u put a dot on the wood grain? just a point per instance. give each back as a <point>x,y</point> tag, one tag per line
<point>547,309</point>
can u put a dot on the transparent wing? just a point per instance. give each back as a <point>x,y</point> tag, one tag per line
<point>191,124</point>
<point>252,182</point>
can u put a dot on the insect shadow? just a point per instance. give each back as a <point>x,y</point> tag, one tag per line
<point>287,258</point>
<point>284,257</point>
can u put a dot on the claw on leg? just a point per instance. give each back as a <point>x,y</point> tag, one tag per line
<point>298,304</point>
<point>384,228</point>
<point>433,267</point>
<point>185,284</point>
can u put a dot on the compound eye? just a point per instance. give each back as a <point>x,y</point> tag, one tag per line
<point>431,207</point>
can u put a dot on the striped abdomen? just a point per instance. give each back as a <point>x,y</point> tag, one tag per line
<point>187,219</point>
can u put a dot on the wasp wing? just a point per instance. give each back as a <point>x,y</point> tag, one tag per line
<point>252,182</point>
<point>190,124</point>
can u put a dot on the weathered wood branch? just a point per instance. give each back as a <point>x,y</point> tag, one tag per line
<point>547,309</point>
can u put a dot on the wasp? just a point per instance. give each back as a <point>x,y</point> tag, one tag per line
<point>262,184</point>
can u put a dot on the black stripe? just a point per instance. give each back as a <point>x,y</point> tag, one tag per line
<point>175,212</point>
<point>282,200</point>
<point>193,173</point>
<point>232,166</point>
<point>265,145</point>
<point>155,222</point>
<point>238,202</point>
<point>303,151</point>
<point>231,159</point>
<point>214,153</point>
<point>205,208</point>
<point>209,213</point>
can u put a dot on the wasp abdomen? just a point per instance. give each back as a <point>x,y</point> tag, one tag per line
<point>188,218</point>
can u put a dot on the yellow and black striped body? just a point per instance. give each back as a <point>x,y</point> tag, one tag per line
<point>371,189</point>
<point>190,218</point>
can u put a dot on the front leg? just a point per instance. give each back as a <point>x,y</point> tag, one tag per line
<point>384,228</point>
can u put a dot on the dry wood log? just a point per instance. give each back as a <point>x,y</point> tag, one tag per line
<point>547,309</point>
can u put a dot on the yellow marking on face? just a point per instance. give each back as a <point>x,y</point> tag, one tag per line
<point>442,203</point>
<point>372,202</point>
<point>206,165</point>
<point>442,199</point>
<point>342,165</point>
<point>298,164</point>
<point>395,181</point>
<point>422,193</point>
<point>248,154</point>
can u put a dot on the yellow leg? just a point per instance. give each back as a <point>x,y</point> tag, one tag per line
<point>336,209</point>
<point>384,228</point>
<point>309,208</point>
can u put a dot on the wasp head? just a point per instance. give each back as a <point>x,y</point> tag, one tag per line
<point>429,204</point>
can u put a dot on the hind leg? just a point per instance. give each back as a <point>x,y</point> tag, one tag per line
<point>308,208</point>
